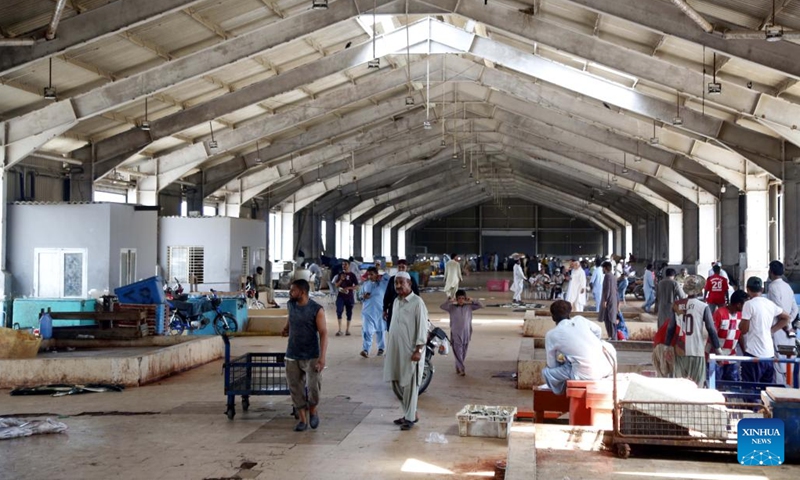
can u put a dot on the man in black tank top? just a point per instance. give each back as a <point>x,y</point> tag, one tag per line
<point>305,353</point>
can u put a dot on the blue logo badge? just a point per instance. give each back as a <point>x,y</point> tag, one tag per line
<point>761,442</point>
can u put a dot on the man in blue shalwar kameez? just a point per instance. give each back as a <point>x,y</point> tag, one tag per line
<point>373,291</point>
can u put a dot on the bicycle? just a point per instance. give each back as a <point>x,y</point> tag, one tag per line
<point>188,316</point>
<point>249,295</point>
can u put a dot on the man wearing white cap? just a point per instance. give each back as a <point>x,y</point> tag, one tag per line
<point>576,288</point>
<point>407,337</point>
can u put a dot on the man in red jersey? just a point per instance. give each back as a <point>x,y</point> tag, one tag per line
<point>716,290</point>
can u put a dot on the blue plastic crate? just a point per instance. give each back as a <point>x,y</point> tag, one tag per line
<point>149,291</point>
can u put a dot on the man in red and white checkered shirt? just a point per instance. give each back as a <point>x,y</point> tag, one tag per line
<point>726,321</point>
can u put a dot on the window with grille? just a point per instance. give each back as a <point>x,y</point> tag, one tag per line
<point>186,262</point>
<point>245,260</point>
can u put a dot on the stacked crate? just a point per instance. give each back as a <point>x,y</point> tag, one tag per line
<point>157,316</point>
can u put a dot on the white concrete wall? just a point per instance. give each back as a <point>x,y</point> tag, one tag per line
<point>245,233</point>
<point>211,233</point>
<point>135,230</point>
<point>58,226</point>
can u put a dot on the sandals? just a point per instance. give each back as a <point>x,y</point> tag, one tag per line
<point>402,420</point>
<point>339,333</point>
<point>347,333</point>
<point>407,425</point>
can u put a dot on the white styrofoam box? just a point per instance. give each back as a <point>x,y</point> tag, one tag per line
<point>485,421</point>
<point>680,402</point>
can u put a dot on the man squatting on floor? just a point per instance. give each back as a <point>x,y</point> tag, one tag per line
<point>305,353</point>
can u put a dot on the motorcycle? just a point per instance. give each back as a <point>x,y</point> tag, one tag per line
<point>635,287</point>
<point>188,316</point>
<point>437,341</point>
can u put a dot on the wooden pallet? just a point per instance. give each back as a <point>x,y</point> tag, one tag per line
<point>150,311</point>
<point>109,325</point>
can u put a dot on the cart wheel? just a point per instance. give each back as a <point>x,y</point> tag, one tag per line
<point>245,403</point>
<point>623,450</point>
<point>230,412</point>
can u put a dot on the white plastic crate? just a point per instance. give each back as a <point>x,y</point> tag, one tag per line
<point>485,421</point>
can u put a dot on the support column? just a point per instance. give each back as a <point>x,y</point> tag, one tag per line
<point>774,223</point>
<point>708,229</point>
<point>610,243</point>
<point>618,242</point>
<point>401,242</point>
<point>148,190</point>
<point>757,234</point>
<point>628,238</point>
<point>347,250</point>
<point>3,238</point>
<point>675,232</point>
<point>386,242</point>
<point>287,232</point>
<point>194,201</point>
<point>358,246</point>
<point>366,246</point>
<point>330,236</point>
<point>729,233</point>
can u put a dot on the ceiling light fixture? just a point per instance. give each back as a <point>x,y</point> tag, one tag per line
<point>213,143</point>
<point>654,138</point>
<point>375,62</point>
<point>723,188</point>
<point>773,32</point>
<point>291,164</point>
<point>625,163</point>
<point>677,121</point>
<point>145,125</point>
<point>319,4</point>
<point>714,88</point>
<point>50,90</point>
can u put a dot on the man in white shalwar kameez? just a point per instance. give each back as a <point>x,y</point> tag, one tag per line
<point>576,289</point>
<point>452,276</point>
<point>408,333</point>
<point>518,285</point>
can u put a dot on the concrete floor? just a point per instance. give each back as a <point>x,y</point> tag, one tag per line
<point>176,429</point>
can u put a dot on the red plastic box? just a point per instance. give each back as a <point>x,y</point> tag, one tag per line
<point>497,285</point>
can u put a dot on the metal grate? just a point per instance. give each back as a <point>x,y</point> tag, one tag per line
<point>684,421</point>
<point>186,263</point>
<point>257,374</point>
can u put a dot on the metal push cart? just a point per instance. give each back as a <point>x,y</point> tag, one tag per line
<point>694,425</point>
<point>252,374</point>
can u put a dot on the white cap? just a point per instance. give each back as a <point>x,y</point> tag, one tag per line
<point>403,275</point>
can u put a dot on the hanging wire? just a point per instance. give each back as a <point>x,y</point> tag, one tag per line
<point>408,51</point>
<point>703,85</point>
